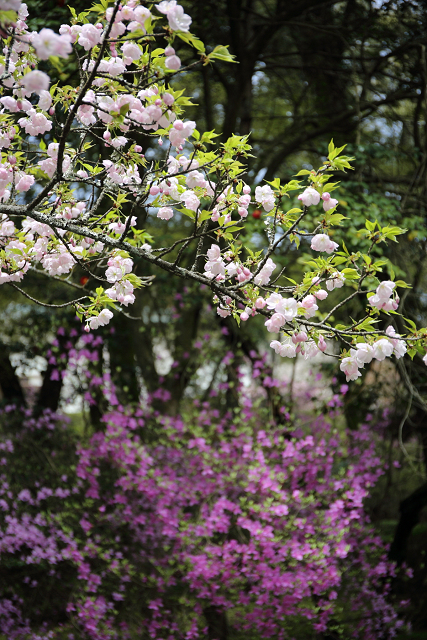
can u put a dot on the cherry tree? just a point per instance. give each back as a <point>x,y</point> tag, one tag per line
<point>64,209</point>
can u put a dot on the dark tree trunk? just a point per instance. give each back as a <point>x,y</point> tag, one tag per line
<point>217,623</point>
<point>9,382</point>
<point>410,510</point>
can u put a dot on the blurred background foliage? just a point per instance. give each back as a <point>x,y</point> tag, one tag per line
<point>308,71</point>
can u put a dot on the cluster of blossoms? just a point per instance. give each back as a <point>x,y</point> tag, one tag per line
<point>364,353</point>
<point>312,196</point>
<point>125,97</point>
<point>382,298</point>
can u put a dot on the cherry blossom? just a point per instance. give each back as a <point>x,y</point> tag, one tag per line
<point>309,196</point>
<point>102,319</point>
<point>89,36</point>
<point>336,281</point>
<point>165,213</point>
<point>264,196</point>
<point>328,202</point>
<point>322,242</point>
<point>48,43</point>
<point>35,81</point>
<point>400,347</point>
<point>178,20</point>
<point>350,367</point>
<point>265,274</point>
<point>383,348</point>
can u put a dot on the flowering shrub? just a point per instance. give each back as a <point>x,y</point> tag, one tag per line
<point>63,208</point>
<point>153,522</point>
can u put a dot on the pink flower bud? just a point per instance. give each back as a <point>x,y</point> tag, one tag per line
<point>246,189</point>
<point>321,294</point>
<point>154,190</point>
<point>173,63</point>
<point>168,99</point>
<point>12,160</point>
<point>326,196</point>
<point>158,102</point>
<point>299,337</point>
<point>260,303</point>
<point>322,344</point>
<point>138,148</point>
<point>242,212</point>
<point>160,142</point>
<point>51,111</point>
<point>169,51</point>
<point>106,135</point>
<point>244,316</point>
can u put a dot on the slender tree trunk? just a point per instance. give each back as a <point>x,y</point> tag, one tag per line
<point>9,382</point>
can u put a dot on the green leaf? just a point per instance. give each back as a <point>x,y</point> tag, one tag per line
<point>403,284</point>
<point>412,324</point>
<point>350,274</point>
<point>220,53</point>
<point>233,229</point>
<point>7,17</point>
<point>338,260</point>
<point>335,218</point>
<point>192,41</point>
<point>204,215</point>
<point>187,212</point>
<point>274,183</point>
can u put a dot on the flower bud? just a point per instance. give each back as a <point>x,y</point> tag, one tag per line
<point>168,99</point>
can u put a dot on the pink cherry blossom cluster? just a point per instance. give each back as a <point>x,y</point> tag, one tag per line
<point>64,186</point>
<point>364,353</point>
<point>382,298</point>
<point>265,197</point>
<point>311,196</point>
